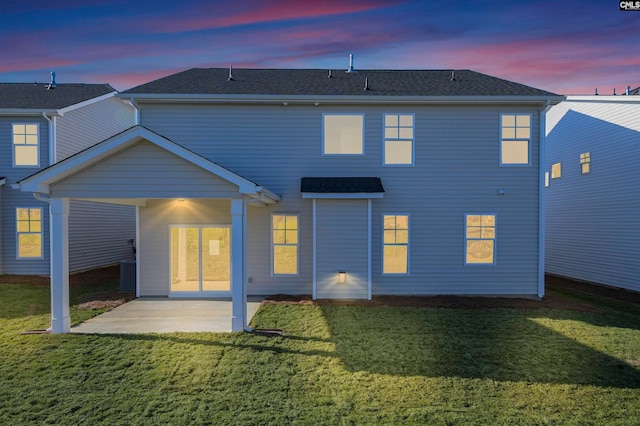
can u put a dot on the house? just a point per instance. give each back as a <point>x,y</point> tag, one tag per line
<point>41,124</point>
<point>324,182</point>
<point>592,207</point>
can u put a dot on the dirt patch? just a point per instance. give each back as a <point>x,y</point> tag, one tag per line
<point>552,300</point>
<point>79,279</point>
<point>105,299</point>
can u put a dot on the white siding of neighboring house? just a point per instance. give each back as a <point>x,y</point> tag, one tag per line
<point>12,198</point>
<point>98,233</point>
<point>592,220</point>
<point>456,172</point>
<point>342,245</point>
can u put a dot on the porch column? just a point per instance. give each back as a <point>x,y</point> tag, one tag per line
<point>59,255</point>
<point>238,292</point>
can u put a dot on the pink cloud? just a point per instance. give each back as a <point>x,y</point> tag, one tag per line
<point>267,11</point>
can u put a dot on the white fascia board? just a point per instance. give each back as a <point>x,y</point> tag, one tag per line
<point>340,99</point>
<point>633,99</point>
<point>66,109</point>
<point>344,196</point>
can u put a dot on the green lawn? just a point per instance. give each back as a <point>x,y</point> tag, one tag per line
<point>335,365</point>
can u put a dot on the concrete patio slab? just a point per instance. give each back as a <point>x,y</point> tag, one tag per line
<point>154,315</point>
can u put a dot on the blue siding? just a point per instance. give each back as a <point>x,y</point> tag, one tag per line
<point>592,220</point>
<point>456,171</point>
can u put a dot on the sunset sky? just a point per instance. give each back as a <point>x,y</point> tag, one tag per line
<point>568,47</point>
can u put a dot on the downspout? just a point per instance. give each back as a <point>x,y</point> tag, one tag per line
<point>52,138</point>
<point>136,107</point>
<point>541,203</point>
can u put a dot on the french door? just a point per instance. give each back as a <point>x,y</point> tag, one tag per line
<point>200,260</point>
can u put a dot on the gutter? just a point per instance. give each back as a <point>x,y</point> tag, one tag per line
<point>316,100</point>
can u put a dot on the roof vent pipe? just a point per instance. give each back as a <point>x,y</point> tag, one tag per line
<point>351,69</point>
<point>628,91</point>
<point>453,75</point>
<point>230,73</point>
<point>52,84</point>
<point>366,84</point>
<point>614,91</point>
<point>596,91</point>
<point>330,74</point>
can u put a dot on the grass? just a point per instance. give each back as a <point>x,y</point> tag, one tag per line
<point>336,364</point>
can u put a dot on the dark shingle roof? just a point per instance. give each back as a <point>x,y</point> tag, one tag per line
<point>341,185</point>
<point>36,95</point>
<point>635,91</point>
<point>293,82</point>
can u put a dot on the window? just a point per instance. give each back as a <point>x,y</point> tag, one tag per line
<point>546,179</point>
<point>556,171</point>
<point>515,139</point>
<point>480,239</point>
<point>398,139</point>
<point>585,163</point>
<point>25,145</point>
<point>395,244</point>
<point>29,232</point>
<point>343,134</point>
<point>284,231</point>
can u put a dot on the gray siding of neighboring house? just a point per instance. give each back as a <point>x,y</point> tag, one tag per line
<point>342,245</point>
<point>153,250</point>
<point>13,198</point>
<point>85,126</point>
<point>592,220</point>
<point>98,233</point>
<point>456,172</point>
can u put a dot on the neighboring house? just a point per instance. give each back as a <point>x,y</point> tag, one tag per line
<point>41,124</point>
<point>592,203</point>
<point>331,183</point>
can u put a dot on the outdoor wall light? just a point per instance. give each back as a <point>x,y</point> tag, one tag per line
<point>342,277</point>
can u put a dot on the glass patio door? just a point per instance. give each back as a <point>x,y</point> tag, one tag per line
<point>200,260</point>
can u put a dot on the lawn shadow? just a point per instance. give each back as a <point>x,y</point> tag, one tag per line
<point>498,344</point>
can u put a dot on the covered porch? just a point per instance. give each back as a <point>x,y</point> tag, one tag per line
<point>141,168</point>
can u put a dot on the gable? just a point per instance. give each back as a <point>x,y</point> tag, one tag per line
<point>144,170</point>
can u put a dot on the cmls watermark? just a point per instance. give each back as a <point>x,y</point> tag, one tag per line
<point>630,5</point>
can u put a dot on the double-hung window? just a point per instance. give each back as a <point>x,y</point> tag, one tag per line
<point>585,163</point>
<point>285,241</point>
<point>395,251</point>
<point>480,236</point>
<point>515,139</point>
<point>398,139</point>
<point>29,232</point>
<point>343,134</point>
<point>25,145</point>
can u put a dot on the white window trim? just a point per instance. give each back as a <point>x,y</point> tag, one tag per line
<point>529,140</point>
<point>408,273</point>
<point>384,140</point>
<point>495,239</point>
<point>273,274</point>
<point>13,146</point>
<point>19,233</point>
<point>547,179</point>
<point>324,154</point>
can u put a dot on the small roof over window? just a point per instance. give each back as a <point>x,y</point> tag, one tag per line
<point>341,187</point>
